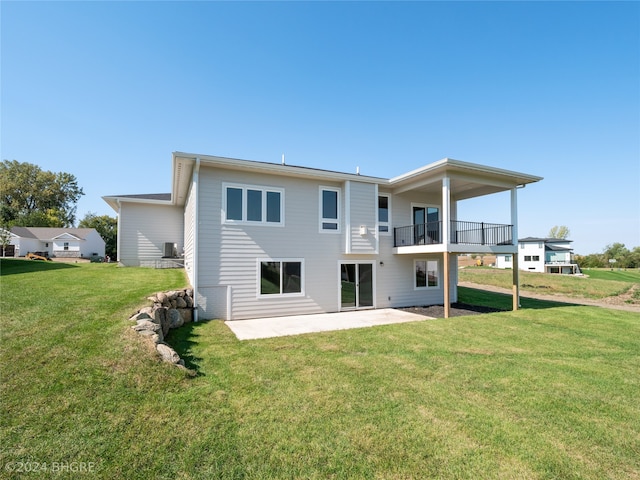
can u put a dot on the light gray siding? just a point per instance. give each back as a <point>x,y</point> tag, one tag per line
<point>189,234</point>
<point>93,243</point>
<point>144,229</point>
<point>230,254</point>
<point>362,205</point>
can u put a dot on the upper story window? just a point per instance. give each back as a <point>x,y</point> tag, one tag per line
<point>330,209</point>
<point>253,205</point>
<point>65,245</point>
<point>384,214</point>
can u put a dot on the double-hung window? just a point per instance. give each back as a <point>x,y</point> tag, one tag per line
<point>253,205</point>
<point>426,274</point>
<point>330,209</point>
<point>280,277</point>
<point>384,214</point>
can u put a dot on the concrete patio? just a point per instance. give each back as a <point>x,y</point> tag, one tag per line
<point>299,324</point>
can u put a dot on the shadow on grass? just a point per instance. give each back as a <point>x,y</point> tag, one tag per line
<point>14,266</point>
<point>182,340</point>
<point>503,302</point>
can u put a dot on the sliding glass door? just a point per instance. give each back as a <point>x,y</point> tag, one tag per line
<point>356,284</point>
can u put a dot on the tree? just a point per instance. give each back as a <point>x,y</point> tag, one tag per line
<point>619,253</point>
<point>593,260</point>
<point>32,197</point>
<point>107,227</point>
<point>634,258</point>
<point>562,232</point>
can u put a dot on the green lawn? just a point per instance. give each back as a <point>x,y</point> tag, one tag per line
<point>596,284</point>
<point>547,392</point>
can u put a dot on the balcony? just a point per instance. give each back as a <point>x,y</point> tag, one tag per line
<point>461,233</point>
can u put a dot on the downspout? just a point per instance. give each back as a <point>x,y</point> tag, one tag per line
<point>196,235</point>
<point>119,230</point>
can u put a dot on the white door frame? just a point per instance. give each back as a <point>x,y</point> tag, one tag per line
<point>373,284</point>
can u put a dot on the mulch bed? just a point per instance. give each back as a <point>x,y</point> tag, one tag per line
<point>456,310</point>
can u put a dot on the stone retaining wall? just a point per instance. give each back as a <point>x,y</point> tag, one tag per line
<point>168,310</point>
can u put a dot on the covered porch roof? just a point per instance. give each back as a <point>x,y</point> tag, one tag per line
<point>466,180</point>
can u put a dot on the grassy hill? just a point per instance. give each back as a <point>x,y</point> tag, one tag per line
<point>595,284</point>
<point>549,391</point>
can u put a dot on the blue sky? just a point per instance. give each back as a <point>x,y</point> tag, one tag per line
<point>108,90</point>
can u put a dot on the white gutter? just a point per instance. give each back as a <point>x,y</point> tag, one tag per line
<point>196,234</point>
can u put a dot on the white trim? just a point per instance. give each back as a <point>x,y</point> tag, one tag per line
<point>259,262</point>
<point>347,216</point>
<point>195,179</point>
<point>426,206</point>
<point>389,222</point>
<point>263,214</point>
<point>322,220</point>
<point>439,272</point>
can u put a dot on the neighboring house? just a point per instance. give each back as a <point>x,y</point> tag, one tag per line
<point>57,242</point>
<point>266,239</point>
<point>544,255</point>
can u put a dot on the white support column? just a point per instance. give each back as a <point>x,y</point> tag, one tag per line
<point>446,222</point>
<point>446,212</point>
<point>515,264</point>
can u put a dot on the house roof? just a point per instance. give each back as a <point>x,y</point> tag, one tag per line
<point>156,198</point>
<point>545,240</point>
<point>556,248</point>
<point>50,233</point>
<point>467,180</point>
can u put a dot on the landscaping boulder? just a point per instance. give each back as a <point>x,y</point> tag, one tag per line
<point>140,316</point>
<point>169,310</point>
<point>186,314</point>
<point>167,353</point>
<point>174,317</point>
<point>148,328</point>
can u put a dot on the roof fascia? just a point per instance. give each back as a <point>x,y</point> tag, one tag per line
<point>280,169</point>
<point>113,200</point>
<point>66,234</point>
<point>460,169</point>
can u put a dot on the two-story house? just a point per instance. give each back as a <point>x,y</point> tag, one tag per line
<point>543,255</point>
<point>268,239</point>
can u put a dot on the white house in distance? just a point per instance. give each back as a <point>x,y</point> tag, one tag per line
<point>56,242</point>
<point>268,239</point>
<point>543,255</point>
